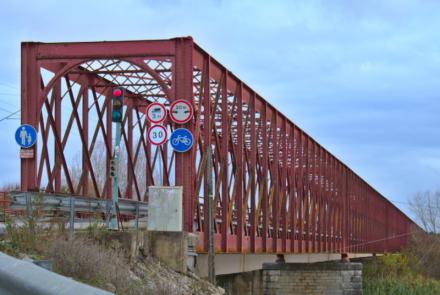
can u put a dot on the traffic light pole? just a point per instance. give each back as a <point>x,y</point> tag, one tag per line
<point>115,182</point>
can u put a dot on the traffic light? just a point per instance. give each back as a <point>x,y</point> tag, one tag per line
<point>113,168</point>
<point>118,103</point>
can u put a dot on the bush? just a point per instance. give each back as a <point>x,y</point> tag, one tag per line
<point>401,286</point>
<point>87,261</point>
<point>393,275</point>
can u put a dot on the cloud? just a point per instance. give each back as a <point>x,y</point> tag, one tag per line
<point>360,76</point>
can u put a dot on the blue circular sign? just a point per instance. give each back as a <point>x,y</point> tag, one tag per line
<point>181,140</point>
<point>26,136</point>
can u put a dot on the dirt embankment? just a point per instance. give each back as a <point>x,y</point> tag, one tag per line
<point>108,266</point>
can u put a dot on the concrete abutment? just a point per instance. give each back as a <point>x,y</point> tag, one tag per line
<point>331,278</point>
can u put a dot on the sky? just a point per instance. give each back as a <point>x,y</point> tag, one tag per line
<point>361,77</point>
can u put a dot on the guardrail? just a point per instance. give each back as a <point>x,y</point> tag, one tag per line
<point>75,205</point>
<point>18,277</point>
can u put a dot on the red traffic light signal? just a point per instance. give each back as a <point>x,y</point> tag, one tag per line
<point>117,92</point>
<point>118,102</point>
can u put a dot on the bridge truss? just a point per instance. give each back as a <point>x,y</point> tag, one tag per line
<point>275,188</point>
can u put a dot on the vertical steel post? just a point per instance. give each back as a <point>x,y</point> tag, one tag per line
<point>85,152</point>
<point>108,207</point>
<point>115,184</point>
<point>264,182</point>
<point>71,218</point>
<point>224,156</point>
<point>293,189</point>
<point>185,162</point>
<point>239,173</point>
<point>58,159</point>
<point>109,135</point>
<point>274,180</point>
<point>252,172</point>
<point>211,215</point>
<point>207,133</point>
<point>137,216</point>
<point>29,213</point>
<point>28,205</point>
<point>129,147</point>
<point>30,110</point>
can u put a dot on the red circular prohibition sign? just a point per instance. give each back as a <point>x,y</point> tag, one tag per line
<point>156,104</point>
<point>164,131</point>
<point>173,105</point>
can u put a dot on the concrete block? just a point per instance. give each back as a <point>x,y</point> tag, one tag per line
<point>130,241</point>
<point>170,248</point>
<point>165,208</point>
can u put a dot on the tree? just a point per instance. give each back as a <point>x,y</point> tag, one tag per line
<point>424,249</point>
<point>426,207</point>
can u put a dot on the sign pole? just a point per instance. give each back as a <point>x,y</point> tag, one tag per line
<point>115,182</point>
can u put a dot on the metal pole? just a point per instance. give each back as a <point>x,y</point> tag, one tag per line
<point>115,183</point>
<point>137,216</point>
<point>108,207</point>
<point>211,206</point>
<point>30,217</point>
<point>72,218</point>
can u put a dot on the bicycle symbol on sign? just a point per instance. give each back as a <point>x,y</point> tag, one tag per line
<point>181,139</point>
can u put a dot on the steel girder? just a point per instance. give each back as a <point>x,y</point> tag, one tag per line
<point>275,188</point>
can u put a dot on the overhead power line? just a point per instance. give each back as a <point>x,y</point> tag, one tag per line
<point>6,84</point>
<point>9,116</point>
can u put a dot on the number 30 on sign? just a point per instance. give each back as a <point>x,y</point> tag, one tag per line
<point>157,134</point>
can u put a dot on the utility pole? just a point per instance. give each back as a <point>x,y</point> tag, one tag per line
<point>211,216</point>
<point>118,103</point>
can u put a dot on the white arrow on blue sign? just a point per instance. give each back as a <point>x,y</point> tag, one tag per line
<point>181,140</point>
<point>26,136</point>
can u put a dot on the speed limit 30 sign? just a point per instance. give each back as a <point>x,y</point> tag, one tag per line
<point>157,134</point>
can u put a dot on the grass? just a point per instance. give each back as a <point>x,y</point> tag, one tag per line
<point>401,286</point>
<point>392,275</point>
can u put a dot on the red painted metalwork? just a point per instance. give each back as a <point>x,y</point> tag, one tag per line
<point>275,188</point>
<point>4,206</point>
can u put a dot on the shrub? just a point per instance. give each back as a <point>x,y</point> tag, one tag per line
<point>87,261</point>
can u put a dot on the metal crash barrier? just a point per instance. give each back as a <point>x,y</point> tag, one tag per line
<point>18,277</point>
<point>75,206</point>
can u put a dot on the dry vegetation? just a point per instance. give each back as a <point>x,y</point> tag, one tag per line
<point>105,265</point>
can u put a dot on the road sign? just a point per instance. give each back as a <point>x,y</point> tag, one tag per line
<point>181,111</point>
<point>26,153</point>
<point>181,140</point>
<point>157,134</point>
<point>156,113</point>
<point>26,136</point>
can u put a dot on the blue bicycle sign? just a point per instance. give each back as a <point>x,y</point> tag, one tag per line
<point>181,140</point>
<point>26,136</point>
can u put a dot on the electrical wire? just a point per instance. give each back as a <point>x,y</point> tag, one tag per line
<point>9,116</point>
<point>378,240</point>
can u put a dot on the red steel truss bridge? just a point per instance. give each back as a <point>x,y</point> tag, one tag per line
<point>275,188</point>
